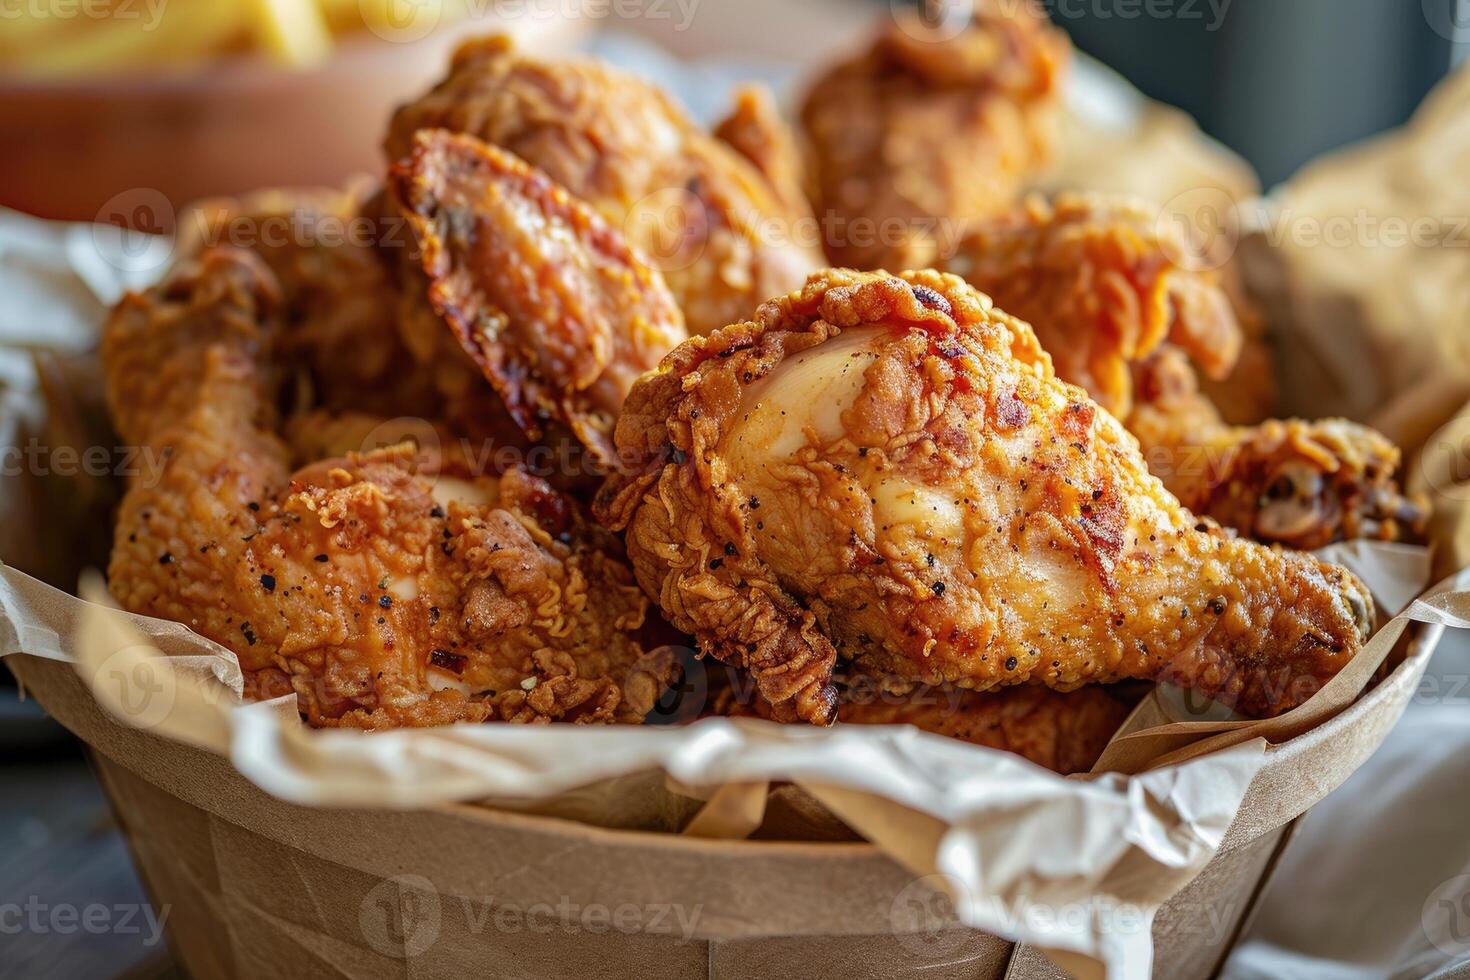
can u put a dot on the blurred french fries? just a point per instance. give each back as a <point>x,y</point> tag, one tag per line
<point>60,38</point>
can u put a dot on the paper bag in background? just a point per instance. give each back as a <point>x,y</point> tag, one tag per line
<point>1367,254</point>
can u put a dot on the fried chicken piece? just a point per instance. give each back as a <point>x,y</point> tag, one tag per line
<point>1301,484</point>
<point>711,223</point>
<point>384,588</point>
<point>887,469</point>
<point>755,130</point>
<point>930,129</point>
<point>339,301</point>
<point>1116,300</point>
<point>1104,283</point>
<point>345,331</point>
<point>1063,732</point>
<point>558,311</point>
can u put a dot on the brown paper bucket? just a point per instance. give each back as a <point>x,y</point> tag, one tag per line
<point>257,887</point>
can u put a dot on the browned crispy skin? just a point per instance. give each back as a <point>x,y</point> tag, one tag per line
<point>710,221</point>
<point>1063,732</point>
<point>754,129</point>
<point>925,132</point>
<point>1104,283</point>
<point>550,301</point>
<point>346,327</point>
<point>1304,484</point>
<point>339,303</point>
<point>886,469</point>
<point>384,588</point>
<point>1118,302</point>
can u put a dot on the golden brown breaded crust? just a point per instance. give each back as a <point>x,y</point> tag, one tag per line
<point>385,589</point>
<point>559,312</point>
<point>930,129</point>
<point>1117,300</point>
<point>1304,484</point>
<point>1063,732</point>
<point>886,469</point>
<point>711,222</point>
<point>755,130</point>
<point>1104,283</point>
<point>347,329</point>
<point>339,302</point>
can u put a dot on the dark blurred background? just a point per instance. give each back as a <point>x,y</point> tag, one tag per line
<point>1278,81</point>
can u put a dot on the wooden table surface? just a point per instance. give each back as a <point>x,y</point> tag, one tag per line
<point>64,854</point>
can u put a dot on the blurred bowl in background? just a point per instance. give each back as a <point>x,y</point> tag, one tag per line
<point>131,150</point>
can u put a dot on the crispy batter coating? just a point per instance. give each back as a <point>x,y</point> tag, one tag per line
<point>887,469</point>
<point>347,330</point>
<point>550,301</point>
<point>1303,484</point>
<point>1104,283</point>
<point>930,129</point>
<point>385,588</point>
<point>339,302</point>
<point>717,230</point>
<point>1063,732</point>
<point>755,130</point>
<point>1117,302</point>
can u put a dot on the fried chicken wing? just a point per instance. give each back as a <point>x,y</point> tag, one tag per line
<point>711,222</point>
<point>930,129</point>
<point>1116,301</point>
<point>886,469</point>
<point>559,312</point>
<point>384,588</point>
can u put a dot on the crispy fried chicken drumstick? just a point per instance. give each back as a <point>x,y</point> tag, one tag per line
<point>931,127</point>
<point>385,588</point>
<point>559,312</point>
<point>715,226</point>
<point>1117,300</point>
<point>886,469</point>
